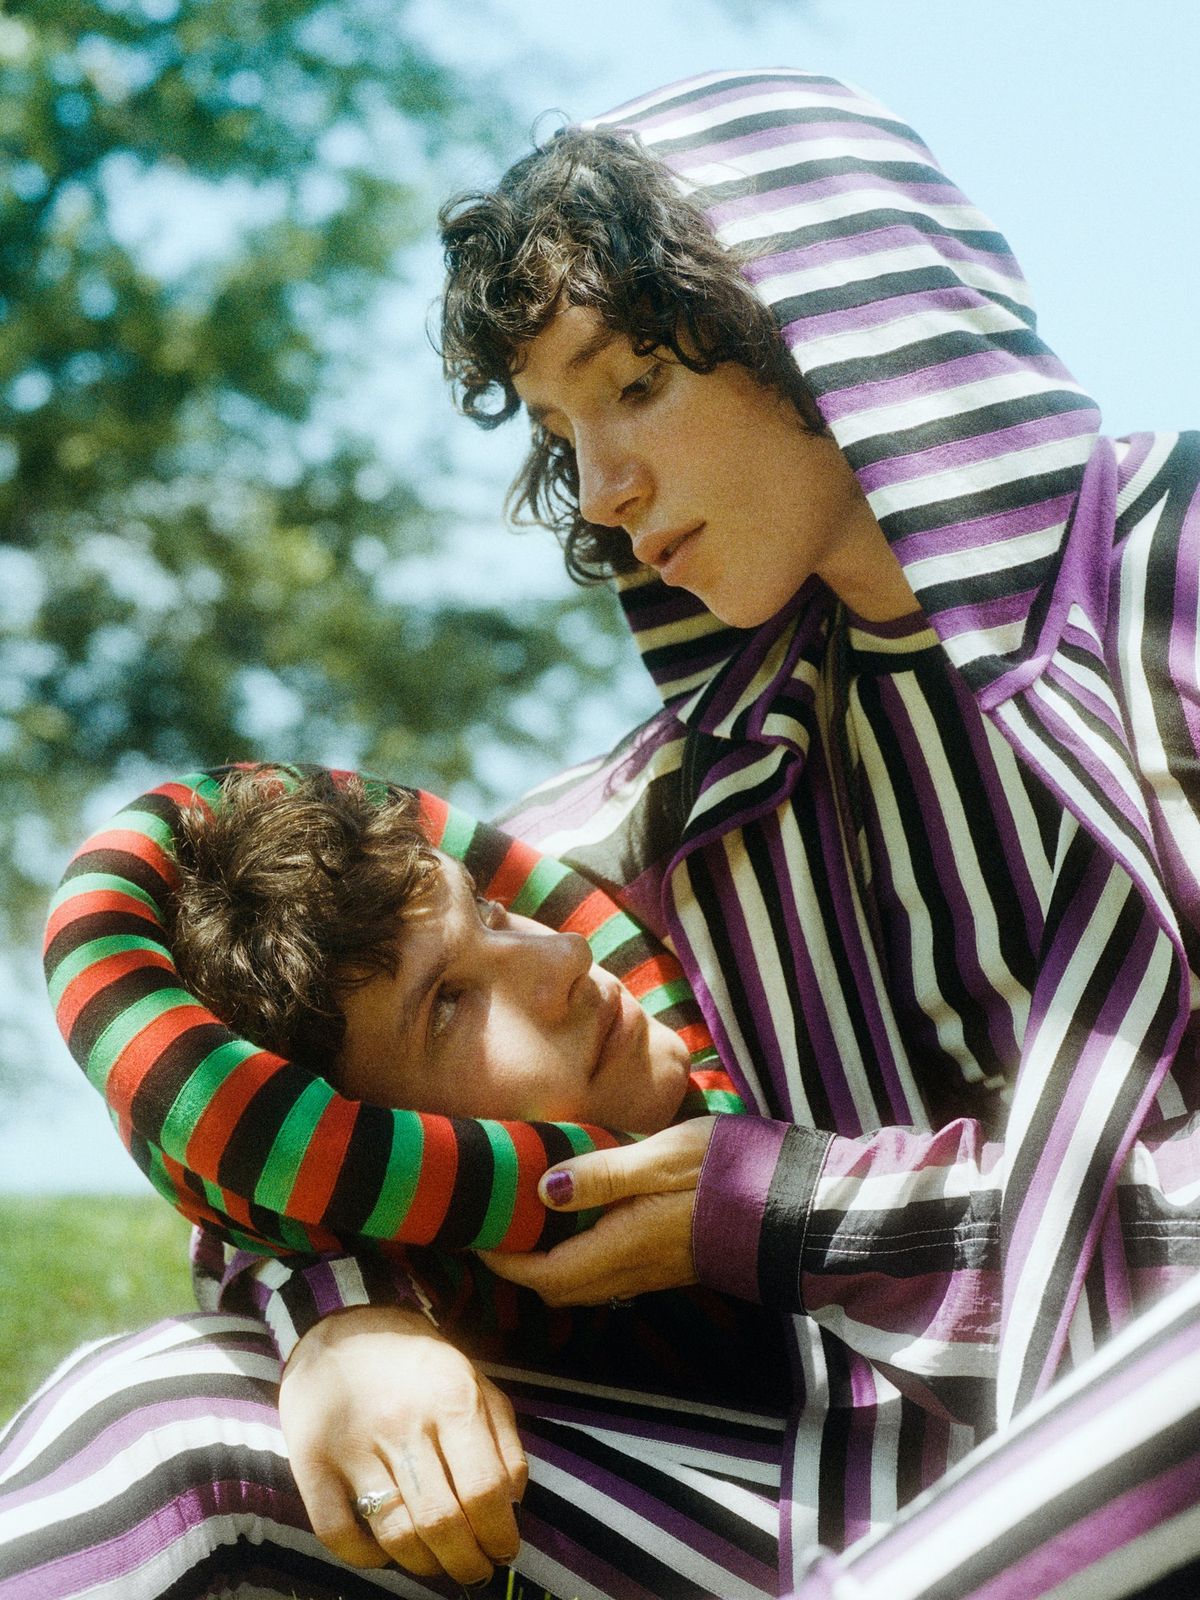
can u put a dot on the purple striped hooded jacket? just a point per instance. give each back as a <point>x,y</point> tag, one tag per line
<point>1060,572</point>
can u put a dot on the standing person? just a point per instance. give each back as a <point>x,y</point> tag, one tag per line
<point>919,809</point>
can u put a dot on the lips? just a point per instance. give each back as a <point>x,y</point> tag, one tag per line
<point>619,1014</point>
<point>662,547</point>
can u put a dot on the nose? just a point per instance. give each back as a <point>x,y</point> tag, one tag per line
<point>614,484</point>
<point>543,969</point>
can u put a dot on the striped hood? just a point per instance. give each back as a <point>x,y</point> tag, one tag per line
<point>262,1151</point>
<point>911,322</point>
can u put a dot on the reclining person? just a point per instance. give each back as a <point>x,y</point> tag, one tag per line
<point>313,914</point>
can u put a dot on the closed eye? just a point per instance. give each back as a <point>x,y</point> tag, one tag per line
<point>644,385</point>
<point>441,1013</point>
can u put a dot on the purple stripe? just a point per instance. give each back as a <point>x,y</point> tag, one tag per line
<point>980,617</point>
<point>827,1047</point>
<point>702,1436</point>
<point>123,1351</point>
<point>156,1535</point>
<point>1082,1545</point>
<point>1022,1451</point>
<point>725,94</point>
<point>135,1426</point>
<point>989,362</point>
<point>658,1513</point>
<point>865,993</point>
<point>993,527</point>
<point>1181,649</point>
<point>1081,1076</point>
<point>995,1010</point>
<point>1073,689</point>
<point>967,452</point>
<point>952,299</point>
<point>871,242</point>
<point>728,1219</point>
<point>830,185</point>
<point>1134,458</point>
<point>854,126</point>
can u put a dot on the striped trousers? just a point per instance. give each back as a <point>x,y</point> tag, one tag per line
<point>1092,1494</point>
<point>153,1466</point>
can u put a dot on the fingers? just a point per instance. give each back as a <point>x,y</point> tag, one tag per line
<point>503,1423</point>
<point>663,1163</point>
<point>640,1245</point>
<point>457,1510</point>
<point>334,1520</point>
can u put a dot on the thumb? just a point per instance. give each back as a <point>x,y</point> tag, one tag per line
<point>596,1179</point>
<point>659,1164</point>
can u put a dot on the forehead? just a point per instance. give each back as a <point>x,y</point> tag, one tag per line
<point>567,347</point>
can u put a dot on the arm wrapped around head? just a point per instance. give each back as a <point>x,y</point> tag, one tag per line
<point>263,1150</point>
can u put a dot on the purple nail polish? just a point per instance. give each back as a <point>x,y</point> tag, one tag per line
<point>558,1188</point>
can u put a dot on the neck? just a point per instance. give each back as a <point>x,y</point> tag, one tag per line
<point>866,576</point>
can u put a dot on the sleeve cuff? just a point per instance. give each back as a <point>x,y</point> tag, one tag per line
<point>752,1205</point>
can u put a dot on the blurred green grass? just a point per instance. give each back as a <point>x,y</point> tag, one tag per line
<point>77,1267</point>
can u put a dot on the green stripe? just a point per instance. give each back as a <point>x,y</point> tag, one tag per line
<point>612,933</point>
<point>504,1187</point>
<point>77,961</point>
<point>203,784</point>
<point>126,1026</point>
<point>160,1177</point>
<point>88,882</point>
<point>674,993</point>
<point>278,1176</point>
<point>544,878</point>
<point>148,825</point>
<point>460,830</point>
<point>400,1179</point>
<point>197,1093</point>
<point>580,1142</point>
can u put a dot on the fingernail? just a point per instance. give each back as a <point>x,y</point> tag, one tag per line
<point>558,1187</point>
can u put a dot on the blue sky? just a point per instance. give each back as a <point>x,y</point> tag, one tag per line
<point>1072,122</point>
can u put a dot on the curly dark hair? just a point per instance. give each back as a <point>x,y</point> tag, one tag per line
<point>590,219</point>
<point>288,898</point>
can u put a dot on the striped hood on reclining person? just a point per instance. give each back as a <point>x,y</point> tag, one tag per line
<point>268,1155</point>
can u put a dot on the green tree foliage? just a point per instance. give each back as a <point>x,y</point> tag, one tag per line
<point>197,558</point>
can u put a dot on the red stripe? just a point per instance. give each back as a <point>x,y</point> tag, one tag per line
<point>652,974</point>
<point>92,904</point>
<point>593,913</point>
<point>322,1161</point>
<point>439,1167</point>
<point>135,1061</point>
<point>432,813</point>
<point>529,1214</point>
<point>215,1124</point>
<point>713,1079</point>
<point>89,983</point>
<point>130,842</point>
<point>696,1036</point>
<point>513,872</point>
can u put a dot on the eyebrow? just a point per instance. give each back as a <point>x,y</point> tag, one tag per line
<point>593,346</point>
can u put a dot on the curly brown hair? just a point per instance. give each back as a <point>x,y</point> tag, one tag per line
<point>289,897</point>
<point>590,219</point>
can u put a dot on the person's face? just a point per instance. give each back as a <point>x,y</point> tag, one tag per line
<point>714,477</point>
<point>491,1015</point>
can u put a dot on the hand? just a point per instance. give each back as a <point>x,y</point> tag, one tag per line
<point>643,1242</point>
<point>374,1398</point>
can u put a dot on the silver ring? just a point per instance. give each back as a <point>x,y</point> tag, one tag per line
<point>370,1505</point>
<point>620,1303</point>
